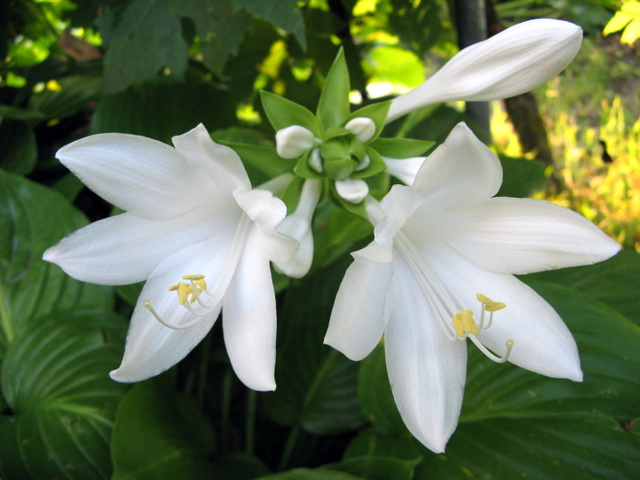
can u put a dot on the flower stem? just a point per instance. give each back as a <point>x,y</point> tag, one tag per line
<point>288,448</point>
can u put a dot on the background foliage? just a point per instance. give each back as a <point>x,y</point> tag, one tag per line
<point>158,68</point>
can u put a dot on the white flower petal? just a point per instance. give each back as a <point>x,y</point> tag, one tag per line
<point>357,319</point>
<point>426,370</point>
<point>222,164</point>
<point>151,347</point>
<point>125,249</point>
<point>460,171</point>
<point>249,318</point>
<point>542,342</point>
<point>137,174</point>
<point>405,169</point>
<point>513,235</point>
<point>512,62</point>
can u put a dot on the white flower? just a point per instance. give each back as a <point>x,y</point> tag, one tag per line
<point>512,62</point>
<point>199,235</point>
<point>443,248</point>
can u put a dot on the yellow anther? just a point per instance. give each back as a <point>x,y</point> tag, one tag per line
<point>175,287</point>
<point>202,284</point>
<point>464,323</point>
<point>193,277</point>
<point>184,290</point>
<point>490,305</point>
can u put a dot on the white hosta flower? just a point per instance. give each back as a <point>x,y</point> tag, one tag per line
<point>443,249</point>
<point>200,236</point>
<point>293,141</point>
<point>512,62</point>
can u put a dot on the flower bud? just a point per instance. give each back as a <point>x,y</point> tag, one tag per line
<point>363,127</point>
<point>353,190</point>
<point>294,141</point>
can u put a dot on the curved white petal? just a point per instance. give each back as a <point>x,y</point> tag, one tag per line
<point>221,163</point>
<point>542,342</point>
<point>137,174</point>
<point>357,319</point>
<point>249,318</point>
<point>353,190</point>
<point>125,248</point>
<point>514,235</point>
<point>461,170</point>
<point>151,347</point>
<point>426,370</point>
<point>404,169</point>
<point>510,63</point>
<point>398,206</point>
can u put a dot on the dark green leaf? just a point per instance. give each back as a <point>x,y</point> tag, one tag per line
<point>284,14</point>
<point>306,474</point>
<point>160,434</point>
<point>33,218</point>
<point>283,113</point>
<point>615,282</point>
<point>220,29</point>
<point>18,149</point>
<point>377,467</point>
<point>522,178</point>
<point>333,107</point>
<point>401,147</point>
<point>263,159</point>
<point>74,95</point>
<point>21,114</point>
<point>62,401</point>
<point>162,110</point>
<point>147,40</point>
<point>316,384</point>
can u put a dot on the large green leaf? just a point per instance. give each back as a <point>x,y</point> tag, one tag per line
<point>522,178</point>
<point>147,40</point>
<point>33,218</point>
<point>615,282</point>
<point>516,423</point>
<point>307,474</point>
<point>18,149</point>
<point>316,384</point>
<point>333,107</point>
<point>160,434</point>
<point>377,467</point>
<point>61,400</point>
<point>164,109</point>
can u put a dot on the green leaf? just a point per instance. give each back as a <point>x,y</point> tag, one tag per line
<point>307,474</point>
<point>394,65</point>
<point>333,107</point>
<point>62,401</point>
<point>160,434</point>
<point>18,148</point>
<point>147,40</point>
<point>21,114</point>
<point>316,384</point>
<point>615,282</point>
<point>33,218</point>
<point>401,147</point>
<point>376,165</point>
<point>283,113</point>
<point>164,109</point>
<point>219,28</point>
<point>75,94</point>
<point>377,467</point>
<point>263,159</point>
<point>521,177</point>
<point>304,170</point>
<point>284,14</point>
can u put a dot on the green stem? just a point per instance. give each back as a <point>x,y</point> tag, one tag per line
<point>288,448</point>
<point>250,427</point>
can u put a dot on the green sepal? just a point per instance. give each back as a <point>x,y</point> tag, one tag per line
<point>355,208</point>
<point>401,147</point>
<point>376,112</point>
<point>283,113</point>
<point>333,106</point>
<point>338,161</point>
<point>264,159</point>
<point>302,168</point>
<point>334,132</point>
<point>376,166</point>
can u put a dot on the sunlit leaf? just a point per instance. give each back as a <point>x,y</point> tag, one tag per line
<point>284,14</point>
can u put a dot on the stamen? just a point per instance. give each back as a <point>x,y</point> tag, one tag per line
<point>149,306</point>
<point>464,323</point>
<point>509,344</point>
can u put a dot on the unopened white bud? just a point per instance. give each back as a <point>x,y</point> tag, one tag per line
<point>315,160</point>
<point>294,141</point>
<point>353,190</point>
<point>363,127</point>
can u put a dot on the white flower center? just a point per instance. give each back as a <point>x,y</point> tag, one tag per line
<point>456,322</point>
